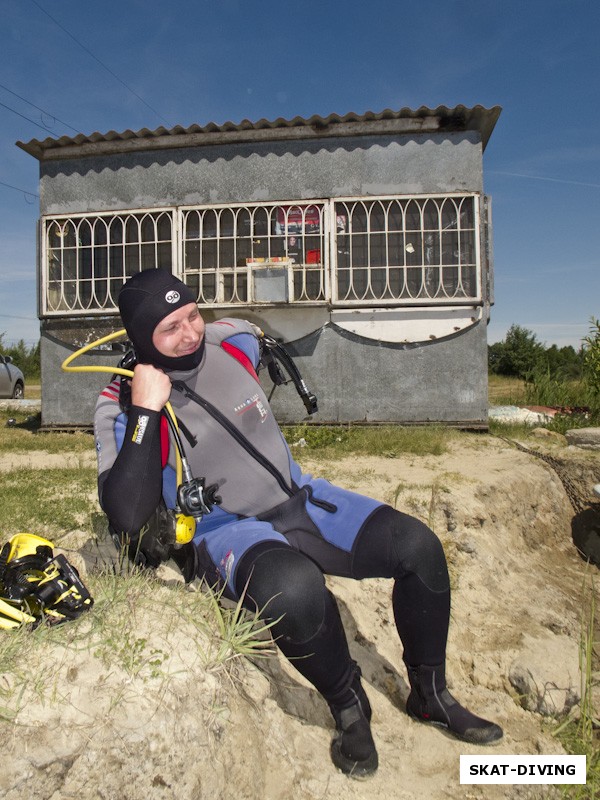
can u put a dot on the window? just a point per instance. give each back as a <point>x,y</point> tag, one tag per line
<point>364,252</point>
<point>87,259</point>
<point>407,250</point>
<point>223,247</point>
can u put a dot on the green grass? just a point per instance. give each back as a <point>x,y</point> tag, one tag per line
<point>581,404</point>
<point>20,433</point>
<point>239,632</point>
<point>117,636</point>
<point>33,391</point>
<point>47,502</point>
<point>505,391</point>
<point>542,390</point>
<point>513,430</point>
<point>545,390</point>
<point>390,441</point>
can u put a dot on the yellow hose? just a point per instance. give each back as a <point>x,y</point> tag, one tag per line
<point>16,616</point>
<point>119,371</point>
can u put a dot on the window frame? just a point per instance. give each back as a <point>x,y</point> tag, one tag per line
<point>294,270</point>
<point>80,306</point>
<point>474,298</point>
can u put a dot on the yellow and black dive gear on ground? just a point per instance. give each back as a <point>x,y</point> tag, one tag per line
<point>37,586</point>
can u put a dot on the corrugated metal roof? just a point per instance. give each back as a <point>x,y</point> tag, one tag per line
<point>422,120</point>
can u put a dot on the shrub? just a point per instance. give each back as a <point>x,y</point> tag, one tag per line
<point>591,358</point>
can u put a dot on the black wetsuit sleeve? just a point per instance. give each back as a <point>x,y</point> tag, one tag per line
<point>131,490</point>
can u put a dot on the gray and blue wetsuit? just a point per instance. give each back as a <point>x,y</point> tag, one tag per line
<point>277,530</point>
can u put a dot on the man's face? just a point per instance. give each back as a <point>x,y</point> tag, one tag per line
<point>179,334</point>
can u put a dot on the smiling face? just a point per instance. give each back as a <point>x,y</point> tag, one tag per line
<point>180,333</point>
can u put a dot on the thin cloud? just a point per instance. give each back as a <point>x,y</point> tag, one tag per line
<point>14,316</point>
<point>542,178</point>
<point>16,275</point>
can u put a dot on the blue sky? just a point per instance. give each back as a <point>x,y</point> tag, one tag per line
<point>132,64</point>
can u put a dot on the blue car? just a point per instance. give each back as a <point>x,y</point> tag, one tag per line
<point>12,382</point>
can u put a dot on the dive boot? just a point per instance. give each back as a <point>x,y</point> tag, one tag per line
<point>353,749</point>
<point>431,702</point>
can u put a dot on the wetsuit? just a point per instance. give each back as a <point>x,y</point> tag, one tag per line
<point>277,530</point>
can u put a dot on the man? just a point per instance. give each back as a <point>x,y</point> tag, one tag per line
<point>275,532</point>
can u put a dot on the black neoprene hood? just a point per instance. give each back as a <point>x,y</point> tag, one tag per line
<point>144,301</point>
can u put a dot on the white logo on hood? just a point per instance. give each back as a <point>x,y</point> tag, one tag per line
<point>172,296</point>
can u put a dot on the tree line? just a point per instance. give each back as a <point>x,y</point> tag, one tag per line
<point>521,354</point>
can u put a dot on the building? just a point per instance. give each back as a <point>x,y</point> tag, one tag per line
<point>363,241</point>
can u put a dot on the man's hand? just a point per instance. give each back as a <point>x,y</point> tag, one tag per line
<point>150,387</point>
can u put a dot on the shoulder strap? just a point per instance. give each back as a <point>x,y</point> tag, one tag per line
<point>240,356</point>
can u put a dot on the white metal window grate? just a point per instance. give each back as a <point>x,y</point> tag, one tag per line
<point>361,252</point>
<point>407,250</point>
<point>86,259</point>
<point>226,250</point>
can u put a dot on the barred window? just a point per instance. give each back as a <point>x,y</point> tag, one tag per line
<point>86,259</point>
<point>407,249</point>
<point>224,247</point>
<point>364,252</point>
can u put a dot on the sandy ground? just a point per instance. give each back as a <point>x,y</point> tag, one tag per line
<point>505,522</point>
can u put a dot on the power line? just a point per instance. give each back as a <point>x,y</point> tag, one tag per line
<point>16,188</point>
<point>102,64</point>
<point>33,122</point>
<point>55,118</point>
